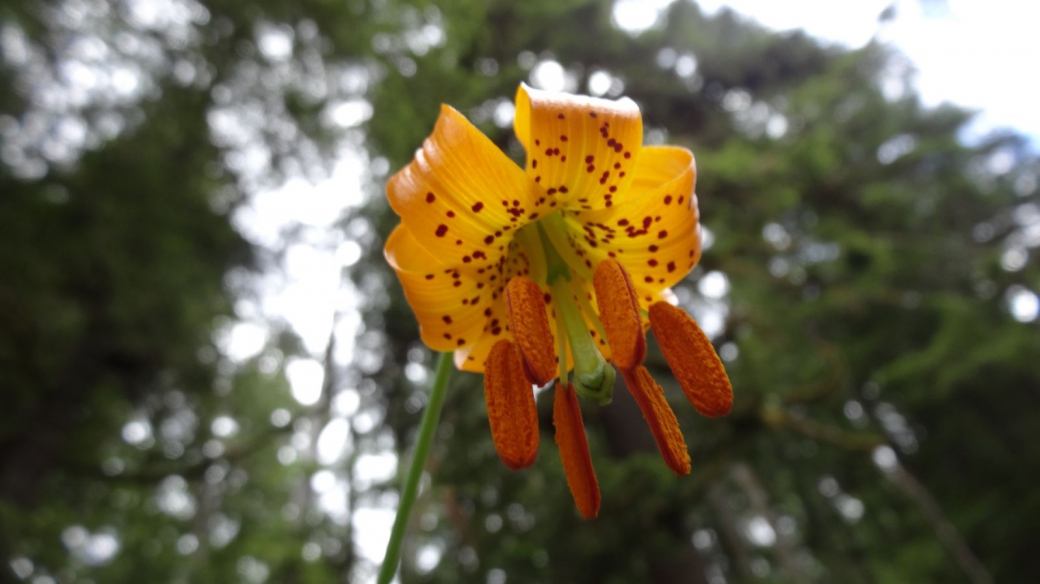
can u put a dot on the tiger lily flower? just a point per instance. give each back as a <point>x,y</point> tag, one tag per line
<point>555,271</point>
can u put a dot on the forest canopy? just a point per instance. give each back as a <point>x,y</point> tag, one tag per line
<point>183,404</point>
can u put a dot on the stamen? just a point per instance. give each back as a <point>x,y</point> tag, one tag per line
<point>510,406</point>
<point>692,359</point>
<point>574,451</point>
<point>619,311</point>
<point>660,417</point>
<point>525,302</point>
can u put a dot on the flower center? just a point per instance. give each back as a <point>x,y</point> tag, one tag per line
<point>593,377</point>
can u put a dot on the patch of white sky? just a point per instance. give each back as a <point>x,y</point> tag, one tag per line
<point>964,52</point>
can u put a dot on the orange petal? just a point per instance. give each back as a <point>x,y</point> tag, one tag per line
<point>526,304</point>
<point>654,232</point>
<point>510,406</point>
<point>692,359</point>
<point>660,417</point>
<point>450,303</point>
<point>580,150</point>
<point>574,451</point>
<point>619,311</point>
<point>461,197</point>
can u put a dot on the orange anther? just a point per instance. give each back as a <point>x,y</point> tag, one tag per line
<point>525,302</point>
<point>619,311</point>
<point>510,406</point>
<point>692,359</point>
<point>574,451</point>
<point>660,417</point>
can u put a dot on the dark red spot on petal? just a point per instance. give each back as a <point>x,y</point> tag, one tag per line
<point>441,230</point>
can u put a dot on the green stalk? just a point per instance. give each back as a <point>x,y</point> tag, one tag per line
<point>411,484</point>
<point>593,376</point>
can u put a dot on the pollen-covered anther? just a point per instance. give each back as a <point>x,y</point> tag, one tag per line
<point>660,417</point>
<point>525,302</point>
<point>510,406</point>
<point>619,311</point>
<point>692,359</point>
<point>574,451</point>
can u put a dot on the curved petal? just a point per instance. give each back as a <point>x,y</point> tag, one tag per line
<point>449,303</point>
<point>655,235</point>
<point>461,197</point>
<point>580,150</point>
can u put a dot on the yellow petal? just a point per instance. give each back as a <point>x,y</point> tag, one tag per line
<point>449,303</point>
<point>461,197</point>
<point>655,234</point>
<point>580,150</point>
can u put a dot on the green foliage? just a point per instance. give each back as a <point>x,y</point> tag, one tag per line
<point>866,318</point>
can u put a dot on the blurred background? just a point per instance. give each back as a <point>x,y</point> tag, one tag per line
<point>208,373</point>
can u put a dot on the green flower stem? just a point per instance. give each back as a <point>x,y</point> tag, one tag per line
<point>411,484</point>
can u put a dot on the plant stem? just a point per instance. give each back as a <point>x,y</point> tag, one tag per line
<point>411,484</point>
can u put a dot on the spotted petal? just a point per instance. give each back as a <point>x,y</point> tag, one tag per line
<point>655,234</point>
<point>580,150</point>
<point>461,197</point>
<point>451,305</point>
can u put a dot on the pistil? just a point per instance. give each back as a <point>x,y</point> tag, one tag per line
<point>593,377</point>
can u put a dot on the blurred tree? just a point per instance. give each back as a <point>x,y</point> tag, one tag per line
<point>868,282</point>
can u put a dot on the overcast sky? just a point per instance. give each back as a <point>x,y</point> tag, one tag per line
<point>979,54</point>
